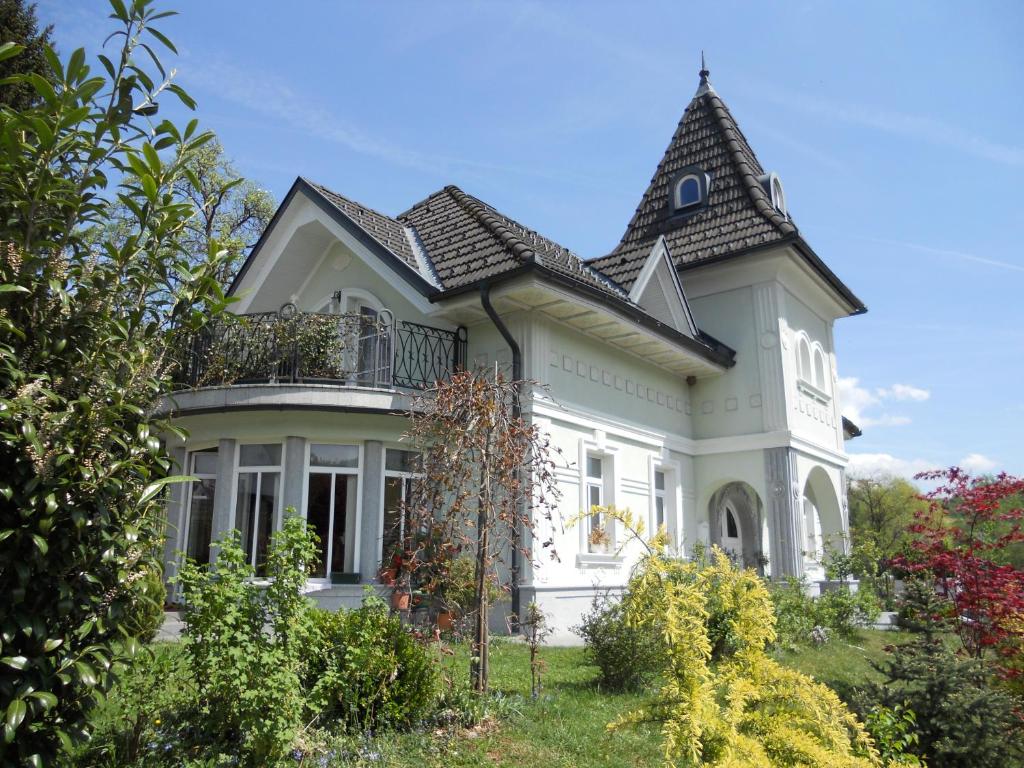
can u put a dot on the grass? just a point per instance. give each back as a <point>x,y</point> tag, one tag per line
<point>566,726</point>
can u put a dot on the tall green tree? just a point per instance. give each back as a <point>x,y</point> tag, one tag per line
<point>230,209</point>
<point>90,330</point>
<point>18,24</point>
<point>882,509</point>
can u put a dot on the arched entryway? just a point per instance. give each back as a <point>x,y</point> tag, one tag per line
<point>821,522</point>
<point>735,519</point>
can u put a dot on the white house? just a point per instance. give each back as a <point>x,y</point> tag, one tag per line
<point>690,373</point>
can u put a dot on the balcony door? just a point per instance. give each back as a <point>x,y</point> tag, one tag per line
<point>331,506</point>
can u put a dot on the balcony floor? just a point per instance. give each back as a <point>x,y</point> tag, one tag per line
<point>326,397</point>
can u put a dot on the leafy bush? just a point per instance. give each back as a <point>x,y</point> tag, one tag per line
<point>150,710</point>
<point>795,614</point>
<point>844,611</point>
<point>90,328</point>
<point>629,657</point>
<point>365,668</point>
<point>244,640</point>
<point>895,733</point>
<point>145,614</point>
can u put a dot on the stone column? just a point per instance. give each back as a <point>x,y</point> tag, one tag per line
<point>224,495</point>
<point>294,478</point>
<point>782,511</point>
<point>175,523</point>
<point>372,510</point>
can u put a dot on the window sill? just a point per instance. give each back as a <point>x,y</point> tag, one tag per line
<point>813,392</point>
<point>594,560</point>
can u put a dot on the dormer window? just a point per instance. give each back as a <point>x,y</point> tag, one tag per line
<point>689,190</point>
<point>772,184</point>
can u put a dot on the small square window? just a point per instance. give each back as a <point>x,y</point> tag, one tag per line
<point>659,481</point>
<point>397,460</point>
<point>594,466</point>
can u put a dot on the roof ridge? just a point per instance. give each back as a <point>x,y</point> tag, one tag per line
<point>492,223</point>
<point>727,125</point>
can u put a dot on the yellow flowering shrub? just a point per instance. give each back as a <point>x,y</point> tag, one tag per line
<point>723,701</point>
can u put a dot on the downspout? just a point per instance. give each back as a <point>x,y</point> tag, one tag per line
<point>517,375</point>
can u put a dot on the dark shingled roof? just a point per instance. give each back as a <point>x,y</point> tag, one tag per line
<point>383,229</point>
<point>468,241</point>
<point>739,213</point>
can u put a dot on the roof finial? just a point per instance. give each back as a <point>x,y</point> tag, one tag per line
<point>705,85</point>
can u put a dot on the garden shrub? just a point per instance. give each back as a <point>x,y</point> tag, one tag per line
<point>794,614</point>
<point>745,709</point>
<point>844,611</point>
<point>244,640</point>
<point>628,657</point>
<point>144,615</point>
<point>964,716</point>
<point>368,670</point>
<point>151,710</point>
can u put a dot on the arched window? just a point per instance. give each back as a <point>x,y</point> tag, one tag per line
<point>804,358</point>
<point>732,530</point>
<point>687,191</point>
<point>778,196</point>
<point>820,379</point>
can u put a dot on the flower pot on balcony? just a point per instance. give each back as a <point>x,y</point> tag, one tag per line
<point>400,600</point>
<point>389,576</point>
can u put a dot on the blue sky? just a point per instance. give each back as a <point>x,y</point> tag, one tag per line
<point>894,126</point>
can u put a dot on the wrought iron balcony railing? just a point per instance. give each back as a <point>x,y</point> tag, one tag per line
<point>359,350</point>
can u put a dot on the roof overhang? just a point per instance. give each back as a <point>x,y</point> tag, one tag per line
<point>535,288</point>
<point>847,298</point>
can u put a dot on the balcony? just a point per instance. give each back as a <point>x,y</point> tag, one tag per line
<point>348,350</point>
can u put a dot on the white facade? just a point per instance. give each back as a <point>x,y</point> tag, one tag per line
<point>742,449</point>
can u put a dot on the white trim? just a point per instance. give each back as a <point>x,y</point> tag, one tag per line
<point>356,471</point>
<point>259,469</point>
<point>425,264</point>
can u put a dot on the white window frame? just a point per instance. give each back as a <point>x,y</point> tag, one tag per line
<point>275,524</point>
<point>807,379</point>
<point>182,540</point>
<point>356,472</point>
<point>676,198</point>
<point>386,473</point>
<point>672,494</point>
<point>600,450</point>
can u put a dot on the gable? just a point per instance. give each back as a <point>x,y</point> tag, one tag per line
<point>306,230</point>
<point>658,292</point>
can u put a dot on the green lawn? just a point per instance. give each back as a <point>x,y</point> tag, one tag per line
<point>567,725</point>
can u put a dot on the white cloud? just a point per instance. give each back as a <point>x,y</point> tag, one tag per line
<point>904,392</point>
<point>977,463</point>
<point>857,400</point>
<point>875,464</point>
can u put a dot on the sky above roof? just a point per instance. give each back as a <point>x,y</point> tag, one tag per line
<point>894,127</point>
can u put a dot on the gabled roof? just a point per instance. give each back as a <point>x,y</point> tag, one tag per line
<point>738,216</point>
<point>469,241</point>
<point>382,228</point>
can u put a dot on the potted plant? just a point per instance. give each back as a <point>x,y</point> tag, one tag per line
<point>391,565</point>
<point>599,540</point>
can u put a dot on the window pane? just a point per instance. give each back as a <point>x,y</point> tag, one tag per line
<point>260,455</point>
<point>265,523</point>
<point>318,510</point>
<point>659,481</point>
<point>204,462</point>
<point>344,503</point>
<point>334,455</point>
<point>200,522</point>
<point>396,460</point>
<point>594,466</point>
<point>245,508</point>
<point>594,495</point>
<point>731,529</point>
<point>393,528</point>
<point>689,192</point>
<point>659,510</point>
